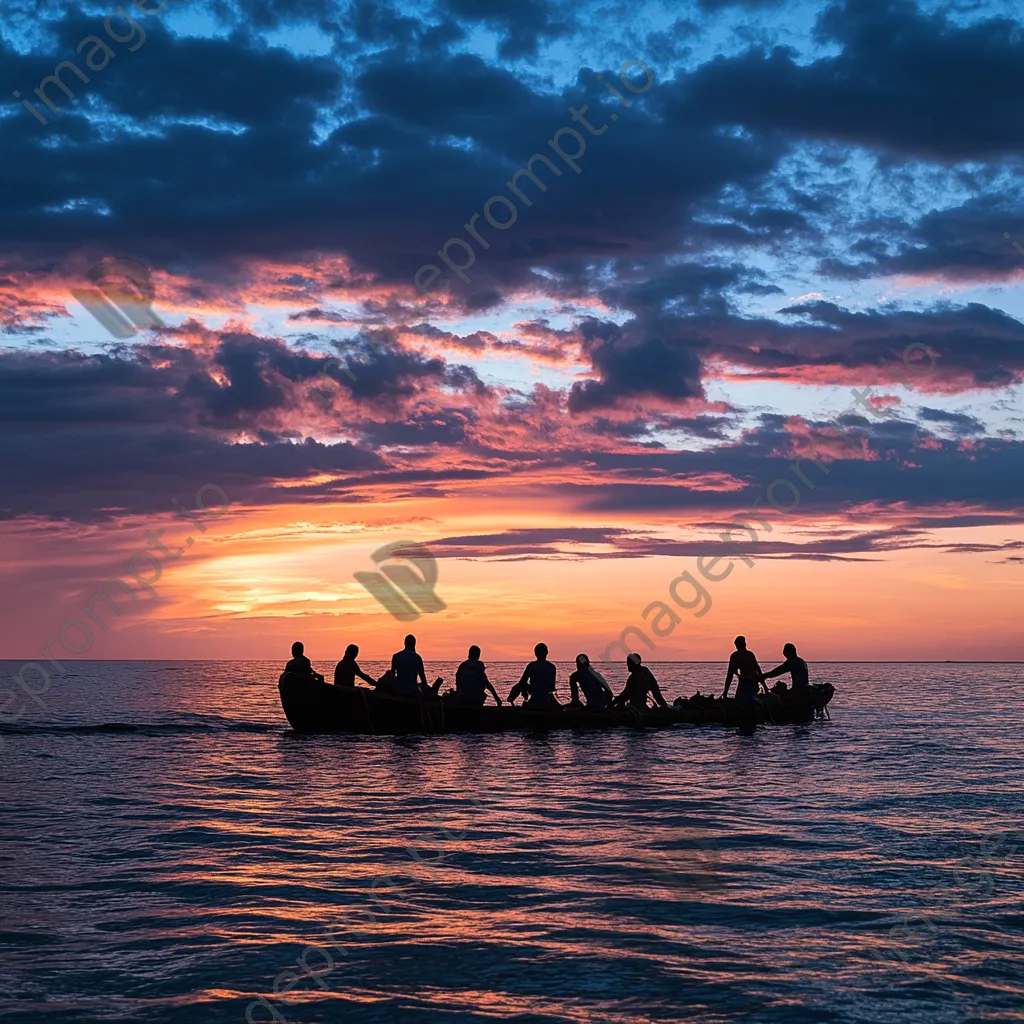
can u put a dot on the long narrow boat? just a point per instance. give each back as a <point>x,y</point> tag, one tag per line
<point>314,707</point>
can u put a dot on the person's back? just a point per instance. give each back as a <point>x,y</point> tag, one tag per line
<point>800,674</point>
<point>541,675</point>
<point>408,667</point>
<point>635,691</point>
<point>596,691</point>
<point>538,681</point>
<point>744,664</point>
<point>300,665</point>
<point>347,669</point>
<point>639,684</point>
<point>470,682</point>
<point>345,672</point>
<point>795,666</point>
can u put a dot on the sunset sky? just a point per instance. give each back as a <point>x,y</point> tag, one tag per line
<point>805,194</point>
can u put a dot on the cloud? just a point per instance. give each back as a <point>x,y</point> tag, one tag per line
<point>959,422</point>
<point>523,25</point>
<point>913,84</point>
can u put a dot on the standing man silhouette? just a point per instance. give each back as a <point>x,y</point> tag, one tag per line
<point>744,664</point>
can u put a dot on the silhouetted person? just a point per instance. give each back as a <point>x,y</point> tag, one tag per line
<point>407,667</point>
<point>596,691</point>
<point>346,670</point>
<point>300,664</point>
<point>538,682</point>
<point>471,682</point>
<point>640,683</point>
<point>743,664</point>
<point>796,667</point>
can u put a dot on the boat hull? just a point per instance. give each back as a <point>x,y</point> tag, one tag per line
<point>314,707</point>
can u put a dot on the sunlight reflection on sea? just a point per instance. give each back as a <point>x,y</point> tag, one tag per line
<point>170,847</point>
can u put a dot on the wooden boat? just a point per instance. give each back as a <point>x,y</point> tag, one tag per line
<point>314,707</point>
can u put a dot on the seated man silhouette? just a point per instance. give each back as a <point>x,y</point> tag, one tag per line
<point>537,682</point>
<point>639,684</point>
<point>796,667</point>
<point>409,677</point>
<point>347,669</point>
<point>300,665</point>
<point>471,682</point>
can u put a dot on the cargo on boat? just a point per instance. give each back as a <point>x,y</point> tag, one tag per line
<point>314,707</point>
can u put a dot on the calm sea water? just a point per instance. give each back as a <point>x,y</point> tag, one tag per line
<point>169,847</point>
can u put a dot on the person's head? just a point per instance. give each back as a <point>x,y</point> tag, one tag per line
<point>541,651</point>
<point>582,661</point>
<point>633,662</point>
<point>474,653</point>
<point>789,651</point>
<point>297,649</point>
<point>351,652</point>
<point>410,643</point>
<point>741,643</point>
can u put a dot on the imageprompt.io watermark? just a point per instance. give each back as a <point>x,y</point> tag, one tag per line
<point>688,861</point>
<point>121,300</point>
<point>404,592</point>
<point>426,275</point>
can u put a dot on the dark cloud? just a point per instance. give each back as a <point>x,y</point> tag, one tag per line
<point>958,422</point>
<point>446,428</point>
<point>961,243</point>
<point>904,82</point>
<point>248,174</point>
<point>566,543</point>
<point>631,364</point>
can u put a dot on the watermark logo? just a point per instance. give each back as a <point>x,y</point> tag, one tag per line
<point>122,297</point>
<point>400,589</point>
<point>689,861</point>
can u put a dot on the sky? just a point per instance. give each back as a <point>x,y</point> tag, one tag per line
<point>635,324</point>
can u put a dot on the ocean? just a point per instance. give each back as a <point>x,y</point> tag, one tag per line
<point>171,851</point>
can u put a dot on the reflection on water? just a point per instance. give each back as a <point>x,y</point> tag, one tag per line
<point>172,852</point>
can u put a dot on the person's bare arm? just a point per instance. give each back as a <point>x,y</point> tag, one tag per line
<point>488,686</point>
<point>729,675</point>
<point>574,689</point>
<point>422,674</point>
<point>760,674</point>
<point>656,692</point>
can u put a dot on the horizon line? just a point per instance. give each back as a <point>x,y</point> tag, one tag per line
<point>498,661</point>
